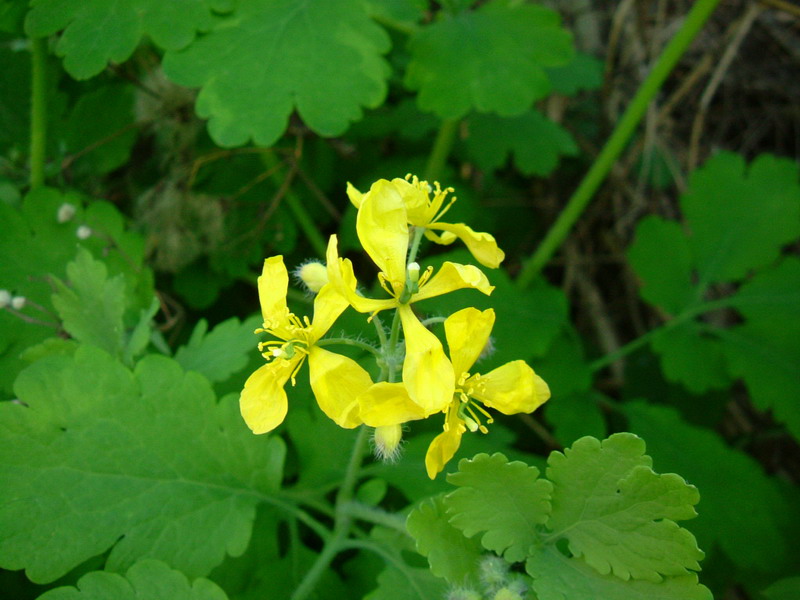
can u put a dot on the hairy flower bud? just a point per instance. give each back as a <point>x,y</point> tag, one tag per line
<point>463,594</point>
<point>313,274</point>
<point>387,442</point>
<point>83,232</point>
<point>18,302</point>
<point>5,298</point>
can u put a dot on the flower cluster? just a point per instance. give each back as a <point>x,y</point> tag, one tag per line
<point>418,379</point>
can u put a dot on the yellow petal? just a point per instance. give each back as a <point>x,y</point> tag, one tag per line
<point>388,404</point>
<point>427,373</point>
<point>453,277</point>
<point>416,202</point>
<point>467,333</point>
<point>337,381</point>
<point>272,287</point>
<point>383,231</point>
<point>328,305</point>
<point>355,196</point>
<point>263,400</point>
<point>513,388</point>
<point>343,280</point>
<point>482,245</point>
<point>444,446</point>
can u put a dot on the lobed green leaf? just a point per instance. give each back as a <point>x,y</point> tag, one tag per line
<point>505,500</point>
<point>97,32</point>
<point>142,463</point>
<point>536,142</point>
<point>618,514</point>
<point>742,509</point>
<point>450,554</point>
<point>145,580</point>
<point>489,60</point>
<point>272,57</point>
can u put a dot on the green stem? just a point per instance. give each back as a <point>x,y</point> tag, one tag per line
<point>415,242</point>
<point>360,511</point>
<point>698,15</point>
<point>295,205</point>
<point>441,149</point>
<point>342,523</point>
<point>634,345</point>
<point>350,342</point>
<point>38,110</point>
<point>394,338</point>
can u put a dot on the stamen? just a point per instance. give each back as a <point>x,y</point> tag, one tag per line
<point>480,425</point>
<point>423,279</point>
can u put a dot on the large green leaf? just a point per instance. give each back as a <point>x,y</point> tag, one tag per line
<point>146,580</point>
<point>272,57</point>
<point>489,60</point>
<point>223,351</point>
<point>740,216</point>
<point>557,577</point>
<point>505,500</point>
<point>741,509</point>
<point>536,142</point>
<point>35,245</point>
<point>144,464</point>
<point>97,32</point>
<point>666,276</point>
<point>737,220</point>
<point>618,514</point>
<point>450,554</point>
<point>601,526</point>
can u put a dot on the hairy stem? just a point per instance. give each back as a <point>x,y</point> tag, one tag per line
<point>342,523</point>
<point>625,128</point>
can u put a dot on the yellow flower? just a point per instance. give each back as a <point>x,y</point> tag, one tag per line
<point>383,230</point>
<point>422,211</point>
<point>335,379</point>
<point>512,388</point>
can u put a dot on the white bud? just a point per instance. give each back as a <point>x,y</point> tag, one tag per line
<point>83,232</point>
<point>65,212</point>
<point>5,298</point>
<point>18,302</point>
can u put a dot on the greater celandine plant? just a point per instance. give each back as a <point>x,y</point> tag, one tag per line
<point>417,379</point>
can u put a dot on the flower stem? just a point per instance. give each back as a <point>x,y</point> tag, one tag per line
<point>343,520</point>
<point>698,15</point>
<point>350,342</point>
<point>441,149</point>
<point>38,110</point>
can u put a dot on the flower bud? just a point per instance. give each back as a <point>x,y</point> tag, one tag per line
<point>506,594</point>
<point>18,302</point>
<point>65,212</point>
<point>463,594</point>
<point>494,572</point>
<point>387,442</point>
<point>313,274</point>
<point>5,298</point>
<point>413,272</point>
<point>83,232</point>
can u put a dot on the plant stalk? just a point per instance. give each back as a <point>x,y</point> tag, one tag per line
<point>695,19</point>
<point>441,149</point>
<point>38,111</point>
<point>343,520</point>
